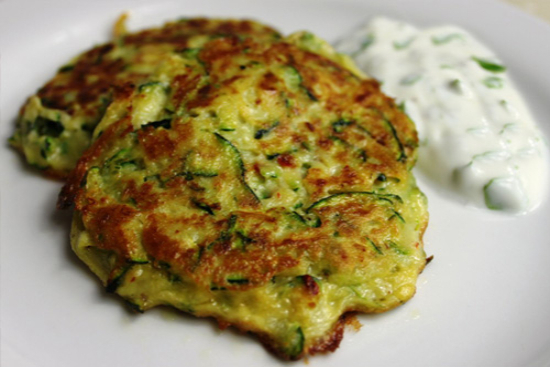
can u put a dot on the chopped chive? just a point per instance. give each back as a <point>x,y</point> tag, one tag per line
<point>441,40</point>
<point>493,82</point>
<point>400,45</point>
<point>367,41</point>
<point>489,66</point>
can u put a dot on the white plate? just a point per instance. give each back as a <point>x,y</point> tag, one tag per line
<point>483,301</point>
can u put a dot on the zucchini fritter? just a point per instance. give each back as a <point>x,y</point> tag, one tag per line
<point>264,184</point>
<point>56,124</point>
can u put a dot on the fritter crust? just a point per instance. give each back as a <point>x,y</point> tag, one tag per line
<point>55,125</point>
<point>264,184</point>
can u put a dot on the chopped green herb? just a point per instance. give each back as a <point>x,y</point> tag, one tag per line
<point>493,82</point>
<point>367,41</point>
<point>508,127</point>
<point>441,40</point>
<point>400,45</point>
<point>489,66</point>
<point>456,84</point>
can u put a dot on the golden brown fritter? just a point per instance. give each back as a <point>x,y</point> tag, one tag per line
<point>264,184</point>
<point>56,124</point>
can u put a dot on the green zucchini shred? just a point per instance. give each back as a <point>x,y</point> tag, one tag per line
<point>395,247</point>
<point>374,246</point>
<point>203,206</point>
<point>295,343</point>
<point>384,197</point>
<point>339,125</point>
<point>397,215</point>
<point>116,282</point>
<point>263,132</point>
<point>238,280</point>
<point>402,156</point>
<point>240,162</point>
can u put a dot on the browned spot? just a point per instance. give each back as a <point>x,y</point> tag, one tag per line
<point>286,160</point>
<point>157,244</point>
<point>106,225</point>
<point>143,195</point>
<point>156,143</point>
<point>183,84</point>
<point>269,82</point>
<point>311,285</point>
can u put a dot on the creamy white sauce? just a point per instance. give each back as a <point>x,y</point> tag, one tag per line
<point>477,136</point>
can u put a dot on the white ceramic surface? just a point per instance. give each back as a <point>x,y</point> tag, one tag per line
<point>483,301</point>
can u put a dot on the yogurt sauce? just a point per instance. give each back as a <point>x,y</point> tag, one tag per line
<point>477,137</point>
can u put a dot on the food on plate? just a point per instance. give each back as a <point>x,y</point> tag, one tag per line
<point>55,125</point>
<point>478,138</point>
<point>263,182</point>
